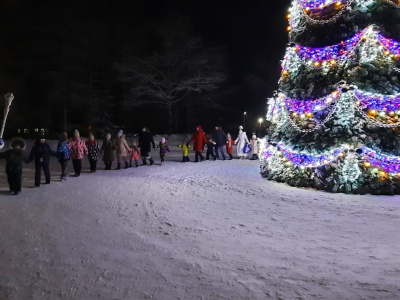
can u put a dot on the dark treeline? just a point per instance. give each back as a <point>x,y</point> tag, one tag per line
<point>64,61</point>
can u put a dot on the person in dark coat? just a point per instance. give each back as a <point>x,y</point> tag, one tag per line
<point>41,152</point>
<point>210,149</point>
<point>199,141</point>
<point>14,158</point>
<point>108,149</point>
<point>219,138</point>
<point>63,154</point>
<point>145,142</point>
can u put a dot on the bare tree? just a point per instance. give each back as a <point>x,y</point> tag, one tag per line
<point>183,65</point>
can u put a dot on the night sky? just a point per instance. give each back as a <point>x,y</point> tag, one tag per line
<point>45,46</point>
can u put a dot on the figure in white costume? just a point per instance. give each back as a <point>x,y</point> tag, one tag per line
<point>241,141</point>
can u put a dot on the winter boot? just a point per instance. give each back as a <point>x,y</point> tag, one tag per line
<point>126,165</point>
<point>144,162</point>
<point>151,161</point>
<point>118,167</point>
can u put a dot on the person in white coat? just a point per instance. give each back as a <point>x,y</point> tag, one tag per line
<point>241,141</point>
<point>254,147</point>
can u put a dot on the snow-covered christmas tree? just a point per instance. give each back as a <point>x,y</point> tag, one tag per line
<point>336,115</point>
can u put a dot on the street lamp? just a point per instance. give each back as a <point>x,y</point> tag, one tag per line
<point>244,120</point>
<point>260,120</point>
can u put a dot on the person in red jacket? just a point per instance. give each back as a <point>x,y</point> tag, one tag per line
<point>229,145</point>
<point>199,141</point>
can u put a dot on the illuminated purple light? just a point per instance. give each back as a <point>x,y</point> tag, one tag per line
<point>390,164</point>
<point>305,106</point>
<point>391,45</point>
<point>309,160</point>
<point>333,52</point>
<point>316,4</point>
<point>368,100</point>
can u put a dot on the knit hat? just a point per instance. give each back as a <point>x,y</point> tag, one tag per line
<point>76,134</point>
<point>119,134</point>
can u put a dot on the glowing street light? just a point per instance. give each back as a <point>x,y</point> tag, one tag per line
<point>260,120</point>
<point>244,119</point>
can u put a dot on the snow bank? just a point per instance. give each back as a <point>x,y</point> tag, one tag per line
<point>211,230</point>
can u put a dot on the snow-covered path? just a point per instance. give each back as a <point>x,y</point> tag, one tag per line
<point>211,230</point>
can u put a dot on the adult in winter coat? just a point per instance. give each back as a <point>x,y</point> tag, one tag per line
<point>14,158</point>
<point>199,141</point>
<point>219,139</point>
<point>63,154</point>
<point>122,150</point>
<point>145,142</point>
<point>41,152</point>
<point>78,151</point>
<point>229,145</point>
<point>241,141</point>
<point>93,152</point>
<point>108,149</point>
<point>254,147</point>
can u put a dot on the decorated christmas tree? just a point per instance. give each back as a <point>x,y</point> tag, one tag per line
<point>336,115</point>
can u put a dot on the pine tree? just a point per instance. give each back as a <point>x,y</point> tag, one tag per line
<point>336,115</point>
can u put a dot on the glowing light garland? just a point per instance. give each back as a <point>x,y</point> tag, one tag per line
<point>390,45</point>
<point>284,155</point>
<point>321,4</point>
<point>310,160</point>
<point>330,55</point>
<point>316,4</point>
<point>389,103</point>
<point>334,52</point>
<point>390,164</point>
<point>383,110</point>
<point>310,106</point>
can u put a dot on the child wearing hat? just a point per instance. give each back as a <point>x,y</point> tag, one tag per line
<point>254,147</point>
<point>163,149</point>
<point>14,158</point>
<point>185,151</point>
<point>135,154</point>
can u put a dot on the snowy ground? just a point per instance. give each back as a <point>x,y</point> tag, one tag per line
<point>211,230</point>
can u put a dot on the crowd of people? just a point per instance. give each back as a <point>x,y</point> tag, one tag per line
<point>127,156</point>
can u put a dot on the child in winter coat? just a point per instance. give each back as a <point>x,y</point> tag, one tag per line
<point>93,152</point>
<point>229,145</point>
<point>63,155</point>
<point>135,154</point>
<point>185,149</point>
<point>108,149</point>
<point>14,158</point>
<point>122,150</point>
<point>254,147</point>
<point>78,150</point>
<point>210,149</point>
<point>163,149</point>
